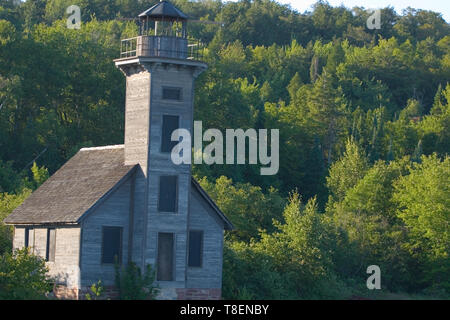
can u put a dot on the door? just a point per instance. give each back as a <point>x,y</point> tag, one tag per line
<point>165,257</point>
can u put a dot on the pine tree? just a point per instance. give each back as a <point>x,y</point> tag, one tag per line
<point>294,85</point>
<point>327,110</point>
<point>438,102</point>
<point>390,154</point>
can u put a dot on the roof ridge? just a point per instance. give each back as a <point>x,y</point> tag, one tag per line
<point>116,146</point>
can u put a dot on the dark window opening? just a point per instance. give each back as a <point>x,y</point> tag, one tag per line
<point>165,257</point>
<point>29,237</point>
<point>171,93</point>
<point>112,245</point>
<point>51,245</point>
<point>168,194</point>
<point>169,125</point>
<point>195,248</point>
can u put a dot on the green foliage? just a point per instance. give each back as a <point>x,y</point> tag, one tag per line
<point>423,199</point>
<point>249,209</point>
<point>40,174</point>
<point>373,232</point>
<point>343,97</point>
<point>97,290</point>
<point>250,274</point>
<point>23,276</point>
<point>135,285</point>
<point>346,172</point>
<point>292,263</point>
<point>8,202</point>
<point>9,179</point>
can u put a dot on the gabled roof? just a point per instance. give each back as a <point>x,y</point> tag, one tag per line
<point>164,9</point>
<point>82,184</point>
<point>75,188</point>
<point>227,223</point>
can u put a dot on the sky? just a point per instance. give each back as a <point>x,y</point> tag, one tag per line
<point>441,6</point>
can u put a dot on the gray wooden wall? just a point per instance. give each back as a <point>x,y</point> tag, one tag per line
<point>114,212</point>
<point>65,269</point>
<point>202,217</point>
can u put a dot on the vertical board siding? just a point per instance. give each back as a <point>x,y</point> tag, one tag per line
<point>203,218</point>
<point>114,212</point>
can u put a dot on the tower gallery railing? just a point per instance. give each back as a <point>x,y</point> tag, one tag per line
<point>161,46</point>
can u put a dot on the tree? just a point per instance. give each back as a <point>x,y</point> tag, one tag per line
<point>249,209</point>
<point>40,174</point>
<point>346,172</point>
<point>8,202</point>
<point>423,199</point>
<point>367,214</point>
<point>327,110</point>
<point>301,248</point>
<point>23,276</point>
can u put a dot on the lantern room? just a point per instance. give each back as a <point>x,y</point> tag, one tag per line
<point>162,33</point>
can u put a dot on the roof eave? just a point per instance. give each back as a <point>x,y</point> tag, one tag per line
<point>227,223</point>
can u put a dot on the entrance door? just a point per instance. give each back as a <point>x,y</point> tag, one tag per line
<point>165,257</point>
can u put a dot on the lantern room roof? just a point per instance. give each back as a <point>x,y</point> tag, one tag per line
<point>164,9</point>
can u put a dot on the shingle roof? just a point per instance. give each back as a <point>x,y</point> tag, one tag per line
<point>74,188</point>
<point>87,178</point>
<point>164,9</point>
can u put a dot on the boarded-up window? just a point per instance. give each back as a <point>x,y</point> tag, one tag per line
<point>51,244</point>
<point>195,248</point>
<point>170,93</point>
<point>168,194</point>
<point>112,245</point>
<point>169,125</point>
<point>165,257</point>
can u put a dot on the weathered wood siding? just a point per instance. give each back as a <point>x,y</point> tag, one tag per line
<point>19,238</point>
<point>65,269</point>
<point>202,218</point>
<point>113,212</point>
<point>145,108</point>
<point>137,127</point>
<point>161,164</point>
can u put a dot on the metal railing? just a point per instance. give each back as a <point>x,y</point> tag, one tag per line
<point>151,46</point>
<point>128,48</point>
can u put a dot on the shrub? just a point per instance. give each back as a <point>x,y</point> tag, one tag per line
<point>133,285</point>
<point>23,276</point>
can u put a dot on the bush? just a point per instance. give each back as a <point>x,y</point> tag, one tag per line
<point>96,291</point>
<point>133,285</point>
<point>23,276</point>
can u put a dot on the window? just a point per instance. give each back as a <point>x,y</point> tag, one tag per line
<point>167,194</point>
<point>195,248</point>
<point>29,237</point>
<point>169,125</point>
<point>51,244</point>
<point>165,257</point>
<point>112,245</point>
<point>170,93</point>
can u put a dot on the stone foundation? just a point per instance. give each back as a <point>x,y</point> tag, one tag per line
<point>199,294</point>
<point>64,293</point>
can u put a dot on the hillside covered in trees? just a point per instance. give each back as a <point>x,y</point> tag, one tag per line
<point>364,120</point>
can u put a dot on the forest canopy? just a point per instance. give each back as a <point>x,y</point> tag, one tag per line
<point>364,119</point>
